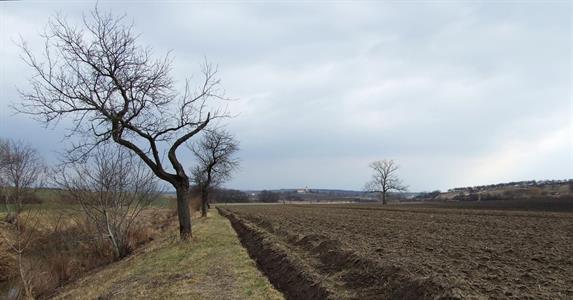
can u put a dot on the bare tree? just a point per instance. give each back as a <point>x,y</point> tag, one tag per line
<point>21,170</point>
<point>112,188</point>
<point>384,179</point>
<point>215,162</point>
<point>98,76</point>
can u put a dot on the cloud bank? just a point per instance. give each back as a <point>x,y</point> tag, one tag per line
<point>459,94</point>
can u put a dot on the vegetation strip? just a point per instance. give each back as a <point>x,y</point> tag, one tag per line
<point>213,265</point>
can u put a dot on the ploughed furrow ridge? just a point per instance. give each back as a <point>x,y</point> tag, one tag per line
<point>315,267</point>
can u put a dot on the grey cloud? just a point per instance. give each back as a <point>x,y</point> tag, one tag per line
<point>326,88</point>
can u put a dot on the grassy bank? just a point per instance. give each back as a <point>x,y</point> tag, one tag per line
<point>213,265</point>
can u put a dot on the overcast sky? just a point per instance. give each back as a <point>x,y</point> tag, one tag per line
<point>458,93</point>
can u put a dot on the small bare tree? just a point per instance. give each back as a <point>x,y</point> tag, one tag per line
<point>112,188</point>
<point>21,170</point>
<point>215,162</point>
<point>113,90</point>
<point>18,242</point>
<point>384,179</point>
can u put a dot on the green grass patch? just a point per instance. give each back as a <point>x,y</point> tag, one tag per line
<point>54,199</point>
<point>213,265</point>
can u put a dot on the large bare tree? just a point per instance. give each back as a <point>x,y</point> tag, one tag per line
<point>215,162</point>
<point>384,179</point>
<point>110,87</point>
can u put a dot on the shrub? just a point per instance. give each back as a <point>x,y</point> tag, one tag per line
<point>66,247</point>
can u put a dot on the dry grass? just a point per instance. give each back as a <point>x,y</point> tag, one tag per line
<point>195,203</point>
<point>7,260</point>
<point>213,265</point>
<point>63,248</point>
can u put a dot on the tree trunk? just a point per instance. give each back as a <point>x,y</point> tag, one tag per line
<point>27,290</point>
<point>384,198</point>
<point>204,201</point>
<point>112,237</point>
<point>183,210</point>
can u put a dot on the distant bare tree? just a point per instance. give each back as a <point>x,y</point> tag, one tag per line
<point>112,89</point>
<point>384,179</point>
<point>112,188</point>
<point>215,162</point>
<point>21,170</point>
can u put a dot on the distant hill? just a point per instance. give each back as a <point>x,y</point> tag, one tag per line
<point>515,185</point>
<point>511,190</point>
<point>498,191</point>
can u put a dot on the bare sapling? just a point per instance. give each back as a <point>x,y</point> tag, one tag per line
<point>21,172</point>
<point>18,240</point>
<point>112,188</point>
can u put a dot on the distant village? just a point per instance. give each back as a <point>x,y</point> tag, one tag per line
<point>513,185</point>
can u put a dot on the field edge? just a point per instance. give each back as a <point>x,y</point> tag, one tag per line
<point>214,265</point>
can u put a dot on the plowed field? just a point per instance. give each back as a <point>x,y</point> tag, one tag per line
<point>408,252</point>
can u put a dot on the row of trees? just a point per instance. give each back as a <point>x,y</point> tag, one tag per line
<point>220,195</point>
<point>268,197</point>
<point>111,185</point>
<point>112,90</point>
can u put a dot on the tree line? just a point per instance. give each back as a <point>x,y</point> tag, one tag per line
<point>99,77</point>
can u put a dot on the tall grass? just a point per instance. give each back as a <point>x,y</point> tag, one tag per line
<point>64,247</point>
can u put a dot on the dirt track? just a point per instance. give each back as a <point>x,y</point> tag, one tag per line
<point>354,252</point>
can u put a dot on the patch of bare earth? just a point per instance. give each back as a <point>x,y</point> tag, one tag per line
<point>343,252</point>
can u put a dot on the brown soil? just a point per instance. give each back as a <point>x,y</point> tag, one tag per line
<point>408,252</point>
